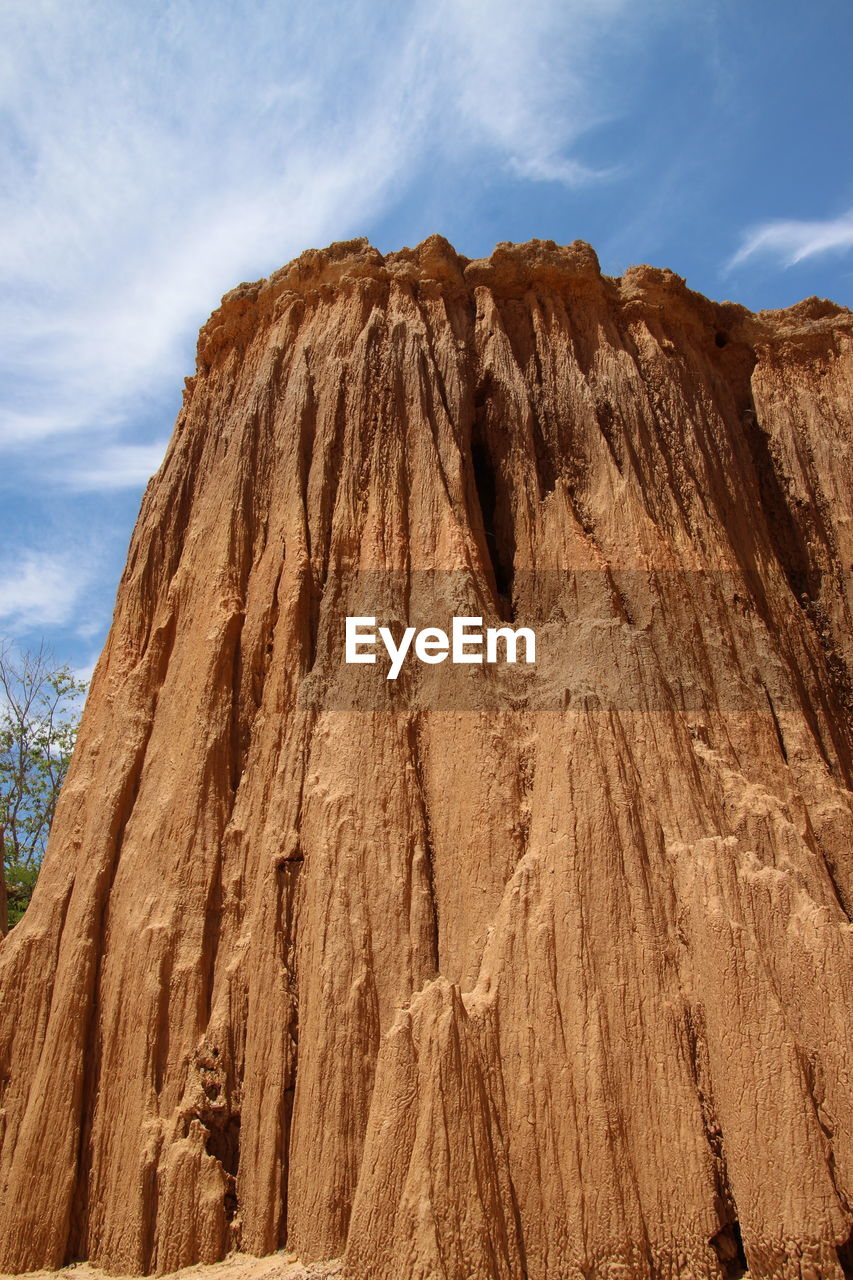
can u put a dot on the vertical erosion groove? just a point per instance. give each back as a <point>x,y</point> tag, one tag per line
<point>289,872</point>
<point>727,1242</point>
<point>790,536</point>
<point>609,426</point>
<point>79,1219</point>
<point>631,879</point>
<point>429,851</point>
<point>546,467</point>
<point>488,461</point>
<point>320,561</point>
<point>788,540</point>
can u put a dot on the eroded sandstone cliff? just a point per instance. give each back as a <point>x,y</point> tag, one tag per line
<point>492,973</point>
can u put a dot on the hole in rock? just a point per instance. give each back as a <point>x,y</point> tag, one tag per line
<point>845,1257</point>
<point>224,1144</point>
<point>230,1201</point>
<point>728,1246</point>
<point>721,339</point>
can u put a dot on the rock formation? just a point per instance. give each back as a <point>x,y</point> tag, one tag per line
<point>487,972</point>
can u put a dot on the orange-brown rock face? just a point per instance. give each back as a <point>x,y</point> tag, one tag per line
<point>535,971</point>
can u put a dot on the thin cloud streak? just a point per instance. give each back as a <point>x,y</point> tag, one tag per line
<point>121,466</point>
<point>793,241</point>
<point>125,223</point>
<point>178,151</point>
<point>40,589</point>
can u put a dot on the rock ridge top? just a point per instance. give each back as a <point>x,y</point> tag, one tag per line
<point>511,270</point>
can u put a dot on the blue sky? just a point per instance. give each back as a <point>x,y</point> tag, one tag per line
<point>154,155</point>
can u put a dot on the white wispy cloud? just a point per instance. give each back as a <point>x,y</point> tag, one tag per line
<point>529,80</point>
<point>793,241</point>
<point>169,158</point>
<point>120,466</point>
<point>157,154</point>
<point>39,589</point>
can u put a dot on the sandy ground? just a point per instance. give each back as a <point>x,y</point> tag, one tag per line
<point>238,1266</point>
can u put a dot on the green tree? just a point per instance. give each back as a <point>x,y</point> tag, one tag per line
<point>40,706</point>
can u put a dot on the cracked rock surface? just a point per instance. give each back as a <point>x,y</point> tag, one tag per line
<point>489,972</point>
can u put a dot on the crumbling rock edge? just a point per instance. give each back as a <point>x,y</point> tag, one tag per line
<point>509,272</point>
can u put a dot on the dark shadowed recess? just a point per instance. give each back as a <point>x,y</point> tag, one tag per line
<point>494,497</point>
<point>728,1246</point>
